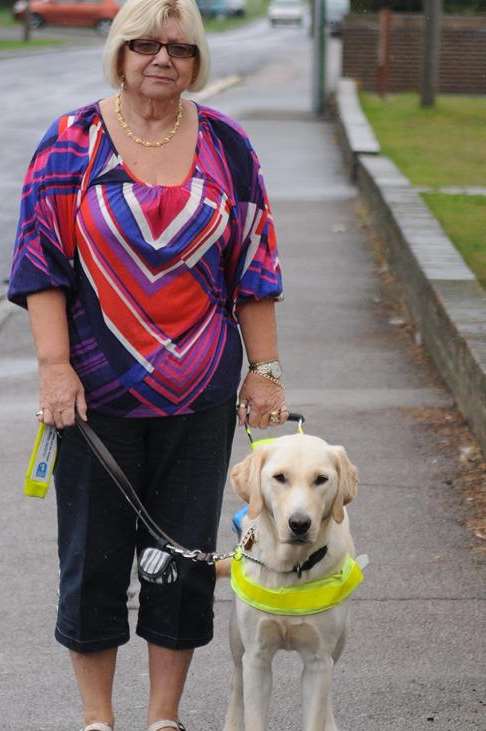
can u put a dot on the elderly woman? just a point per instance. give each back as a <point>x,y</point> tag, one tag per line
<point>145,239</point>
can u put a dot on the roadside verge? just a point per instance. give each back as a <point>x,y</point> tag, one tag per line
<point>442,294</point>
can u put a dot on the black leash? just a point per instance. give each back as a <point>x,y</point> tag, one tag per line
<point>163,540</point>
<point>107,460</point>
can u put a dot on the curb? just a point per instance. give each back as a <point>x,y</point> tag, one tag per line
<point>355,134</point>
<point>442,294</point>
<point>216,87</point>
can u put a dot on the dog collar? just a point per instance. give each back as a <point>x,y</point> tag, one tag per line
<point>313,559</point>
<point>311,597</point>
<point>298,569</point>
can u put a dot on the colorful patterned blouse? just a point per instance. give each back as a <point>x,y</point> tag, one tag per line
<point>152,273</point>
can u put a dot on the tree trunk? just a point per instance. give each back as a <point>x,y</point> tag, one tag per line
<point>432,31</point>
<point>27,26</point>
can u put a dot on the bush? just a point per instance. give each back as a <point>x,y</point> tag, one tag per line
<point>416,6</point>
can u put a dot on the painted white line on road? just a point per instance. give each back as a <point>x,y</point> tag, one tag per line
<point>216,87</point>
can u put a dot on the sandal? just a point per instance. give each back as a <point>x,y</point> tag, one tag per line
<point>98,726</point>
<point>159,725</point>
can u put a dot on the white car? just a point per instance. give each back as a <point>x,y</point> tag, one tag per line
<point>286,11</point>
<point>236,7</point>
<point>336,10</point>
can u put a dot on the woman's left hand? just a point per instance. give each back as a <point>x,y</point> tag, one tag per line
<point>262,402</point>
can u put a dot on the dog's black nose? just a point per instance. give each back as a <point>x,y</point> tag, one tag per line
<point>299,524</point>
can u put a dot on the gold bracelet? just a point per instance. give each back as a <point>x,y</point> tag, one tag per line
<point>268,368</point>
<point>277,381</point>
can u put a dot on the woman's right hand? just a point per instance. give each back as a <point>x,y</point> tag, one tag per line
<point>61,394</point>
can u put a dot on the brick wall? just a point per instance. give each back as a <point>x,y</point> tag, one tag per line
<point>463,52</point>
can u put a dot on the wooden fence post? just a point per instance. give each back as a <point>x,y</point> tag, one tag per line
<point>431,63</point>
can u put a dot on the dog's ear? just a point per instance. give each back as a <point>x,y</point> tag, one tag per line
<point>347,483</point>
<point>245,478</point>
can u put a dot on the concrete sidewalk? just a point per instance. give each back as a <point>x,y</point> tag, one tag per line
<point>415,655</point>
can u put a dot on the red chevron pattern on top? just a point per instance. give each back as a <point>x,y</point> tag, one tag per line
<point>153,274</point>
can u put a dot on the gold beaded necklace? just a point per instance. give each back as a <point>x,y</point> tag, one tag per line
<point>139,140</point>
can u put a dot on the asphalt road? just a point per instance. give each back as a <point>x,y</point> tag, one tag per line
<point>35,89</point>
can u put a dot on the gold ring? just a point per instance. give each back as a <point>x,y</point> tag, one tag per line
<point>275,417</point>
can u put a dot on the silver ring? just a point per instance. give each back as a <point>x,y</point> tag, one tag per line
<point>39,413</point>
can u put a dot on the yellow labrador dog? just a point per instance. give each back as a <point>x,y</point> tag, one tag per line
<point>296,531</point>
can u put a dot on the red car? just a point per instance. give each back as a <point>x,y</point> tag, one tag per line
<point>94,13</point>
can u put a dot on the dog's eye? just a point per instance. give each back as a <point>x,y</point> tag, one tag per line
<point>280,477</point>
<point>321,479</point>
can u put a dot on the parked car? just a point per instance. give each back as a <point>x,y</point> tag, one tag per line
<point>286,11</point>
<point>222,8</point>
<point>95,13</point>
<point>336,10</point>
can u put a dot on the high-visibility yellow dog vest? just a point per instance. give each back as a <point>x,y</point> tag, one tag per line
<point>311,597</point>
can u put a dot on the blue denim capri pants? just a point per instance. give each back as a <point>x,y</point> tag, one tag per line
<point>178,466</point>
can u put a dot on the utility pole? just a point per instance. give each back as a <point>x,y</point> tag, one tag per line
<point>432,32</point>
<point>27,24</point>
<point>319,57</point>
<point>384,52</point>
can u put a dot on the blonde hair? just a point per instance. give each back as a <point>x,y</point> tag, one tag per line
<point>144,18</point>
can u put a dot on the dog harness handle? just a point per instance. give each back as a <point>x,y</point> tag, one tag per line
<point>299,418</point>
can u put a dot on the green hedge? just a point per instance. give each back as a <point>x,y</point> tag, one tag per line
<point>416,6</point>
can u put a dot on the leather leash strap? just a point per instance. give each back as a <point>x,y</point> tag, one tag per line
<point>107,460</point>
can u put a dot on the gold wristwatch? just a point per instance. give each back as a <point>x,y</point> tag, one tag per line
<point>270,369</point>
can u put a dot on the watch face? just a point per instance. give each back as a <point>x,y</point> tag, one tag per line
<point>275,370</point>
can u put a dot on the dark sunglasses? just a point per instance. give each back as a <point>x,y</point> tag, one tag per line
<point>148,47</point>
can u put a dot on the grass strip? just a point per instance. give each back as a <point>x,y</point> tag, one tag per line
<point>464,219</point>
<point>6,17</point>
<point>34,43</point>
<point>254,9</point>
<point>445,145</point>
